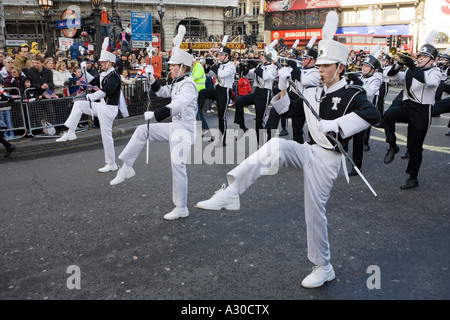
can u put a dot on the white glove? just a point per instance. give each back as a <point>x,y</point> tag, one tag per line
<point>83,65</point>
<point>149,71</point>
<point>328,126</point>
<point>149,115</point>
<point>283,75</point>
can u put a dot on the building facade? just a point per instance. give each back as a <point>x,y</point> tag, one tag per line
<point>203,19</point>
<point>363,23</point>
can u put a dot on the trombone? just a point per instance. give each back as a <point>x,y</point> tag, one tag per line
<point>352,66</point>
<point>399,56</point>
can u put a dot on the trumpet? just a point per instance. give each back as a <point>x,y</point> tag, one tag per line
<point>355,72</point>
<point>398,56</point>
<point>352,66</point>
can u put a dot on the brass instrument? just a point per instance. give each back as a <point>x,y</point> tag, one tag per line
<point>358,73</point>
<point>352,66</point>
<point>399,56</point>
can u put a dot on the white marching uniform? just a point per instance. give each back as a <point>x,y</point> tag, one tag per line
<point>105,112</point>
<point>180,133</point>
<point>319,162</point>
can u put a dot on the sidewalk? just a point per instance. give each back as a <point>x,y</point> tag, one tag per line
<point>29,146</point>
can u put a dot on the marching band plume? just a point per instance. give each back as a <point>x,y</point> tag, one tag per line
<point>224,41</point>
<point>273,44</point>
<point>330,26</point>
<point>312,41</point>
<point>105,44</point>
<point>179,37</point>
<point>431,36</point>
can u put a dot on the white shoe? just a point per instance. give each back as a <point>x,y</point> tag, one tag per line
<point>67,137</point>
<point>220,200</point>
<point>318,277</point>
<point>122,175</point>
<point>177,213</point>
<point>109,168</point>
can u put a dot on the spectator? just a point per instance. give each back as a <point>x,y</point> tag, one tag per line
<point>35,48</point>
<point>105,22</point>
<point>14,79</point>
<point>123,63</point>
<point>21,57</point>
<point>8,146</point>
<point>49,63</point>
<point>125,46</point>
<point>91,69</point>
<point>41,77</point>
<point>76,83</point>
<point>5,111</point>
<point>156,63</point>
<point>5,72</point>
<point>60,76</point>
<point>134,63</point>
<point>125,78</point>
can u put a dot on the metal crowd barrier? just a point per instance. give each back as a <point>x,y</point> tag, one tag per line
<point>44,114</point>
<point>34,117</point>
<point>12,113</point>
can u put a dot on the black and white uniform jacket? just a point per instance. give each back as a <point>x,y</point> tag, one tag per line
<point>225,73</point>
<point>346,104</point>
<point>420,85</point>
<point>263,76</point>
<point>371,85</point>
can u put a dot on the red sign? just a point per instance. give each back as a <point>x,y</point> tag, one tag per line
<point>289,5</point>
<point>297,34</point>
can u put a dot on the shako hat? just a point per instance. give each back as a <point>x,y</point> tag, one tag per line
<point>331,51</point>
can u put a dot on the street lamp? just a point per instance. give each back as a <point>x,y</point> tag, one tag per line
<point>47,5</point>
<point>98,40</point>
<point>161,10</point>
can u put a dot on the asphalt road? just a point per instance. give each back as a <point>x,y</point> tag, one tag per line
<point>66,234</point>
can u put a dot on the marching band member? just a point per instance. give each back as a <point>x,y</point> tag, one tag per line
<point>384,89</point>
<point>345,111</point>
<point>104,104</point>
<point>180,133</point>
<point>305,78</point>
<point>371,80</point>
<point>421,82</point>
<point>264,76</point>
<point>225,72</point>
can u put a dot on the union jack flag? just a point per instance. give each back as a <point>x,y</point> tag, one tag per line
<point>49,94</point>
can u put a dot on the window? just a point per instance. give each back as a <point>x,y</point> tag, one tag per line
<point>389,15</point>
<point>277,20</point>
<point>406,13</point>
<point>364,15</point>
<point>255,28</point>
<point>255,6</point>
<point>290,19</point>
<point>349,17</point>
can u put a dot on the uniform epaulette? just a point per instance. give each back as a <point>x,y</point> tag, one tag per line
<point>354,86</point>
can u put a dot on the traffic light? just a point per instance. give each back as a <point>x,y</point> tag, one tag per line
<point>389,42</point>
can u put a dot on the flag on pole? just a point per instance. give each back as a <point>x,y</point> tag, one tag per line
<point>49,94</point>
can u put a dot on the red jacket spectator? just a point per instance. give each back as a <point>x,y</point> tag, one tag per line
<point>244,86</point>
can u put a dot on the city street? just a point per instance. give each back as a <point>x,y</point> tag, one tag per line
<point>66,234</point>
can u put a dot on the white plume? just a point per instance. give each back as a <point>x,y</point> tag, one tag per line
<point>105,44</point>
<point>179,37</point>
<point>224,41</point>
<point>312,41</point>
<point>273,44</point>
<point>431,36</point>
<point>330,25</point>
<point>376,51</point>
<point>295,44</point>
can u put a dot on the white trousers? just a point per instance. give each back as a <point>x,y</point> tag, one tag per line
<point>106,115</point>
<point>180,141</point>
<point>320,169</point>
